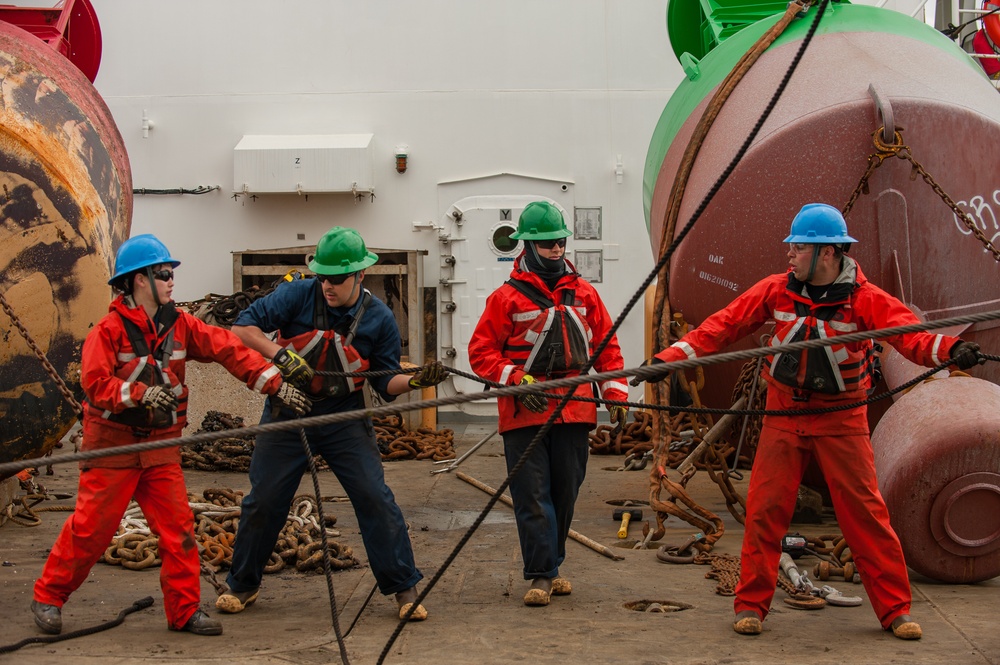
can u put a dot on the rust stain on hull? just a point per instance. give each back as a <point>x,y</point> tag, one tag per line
<point>65,207</point>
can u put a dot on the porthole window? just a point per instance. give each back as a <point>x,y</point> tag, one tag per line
<point>500,241</point>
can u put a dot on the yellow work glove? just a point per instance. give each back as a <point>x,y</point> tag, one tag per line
<point>293,368</point>
<point>534,403</point>
<point>429,375</point>
<point>619,416</point>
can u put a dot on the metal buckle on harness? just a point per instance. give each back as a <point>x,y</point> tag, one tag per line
<point>801,395</point>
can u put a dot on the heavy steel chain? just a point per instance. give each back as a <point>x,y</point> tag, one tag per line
<point>725,570</point>
<point>63,388</point>
<point>897,148</point>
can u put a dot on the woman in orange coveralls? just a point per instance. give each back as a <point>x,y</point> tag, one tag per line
<point>133,377</point>
<point>543,323</point>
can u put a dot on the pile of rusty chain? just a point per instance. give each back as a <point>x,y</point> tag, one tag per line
<point>229,454</point>
<point>751,435</point>
<point>217,517</point>
<point>725,570</point>
<point>396,442</point>
<point>712,458</point>
<point>636,439</point>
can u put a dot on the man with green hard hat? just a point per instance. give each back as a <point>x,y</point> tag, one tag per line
<point>329,323</point>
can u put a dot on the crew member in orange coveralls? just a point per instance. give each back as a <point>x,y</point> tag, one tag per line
<point>132,373</point>
<point>823,294</point>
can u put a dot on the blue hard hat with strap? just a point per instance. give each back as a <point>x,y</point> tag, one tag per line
<point>139,252</point>
<point>819,224</point>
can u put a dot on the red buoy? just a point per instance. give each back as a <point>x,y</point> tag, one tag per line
<point>937,454</point>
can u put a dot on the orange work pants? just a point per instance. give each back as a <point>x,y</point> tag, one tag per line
<point>849,470</point>
<point>103,496</point>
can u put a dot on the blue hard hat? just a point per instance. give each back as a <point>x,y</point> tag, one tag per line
<point>139,252</point>
<point>819,224</point>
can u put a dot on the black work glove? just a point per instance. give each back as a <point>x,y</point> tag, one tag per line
<point>649,361</point>
<point>532,402</point>
<point>966,355</point>
<point>290,397</point>
<point>429,375</point>
<point>293,368</point>
<point>160,397</point>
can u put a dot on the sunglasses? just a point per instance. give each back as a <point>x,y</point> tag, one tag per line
<point>164,275</point>
<point>550,244</point>
<point>336,280</point>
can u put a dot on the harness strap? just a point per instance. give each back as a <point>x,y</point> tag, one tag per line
<point>538,298</point>
<point>321,319</point>
<point>167,316</point>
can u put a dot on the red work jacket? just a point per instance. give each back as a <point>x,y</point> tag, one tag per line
<point>818,378</point>
<point>109,362</point>
<point>508,333</point>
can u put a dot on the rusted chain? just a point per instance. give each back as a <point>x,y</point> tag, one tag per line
<point>49,369</point>
<point>229,454</point>
<point>665,325</point>
<point>897,148</point>
<point>396,441</point>
<point>216,522</point>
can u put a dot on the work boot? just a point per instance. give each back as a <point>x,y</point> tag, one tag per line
<point>232,602</point>
<point>47,617</point>
<point>906,628</point>
<point>561,586</point>
<point>405,600</point>
<point>747,623</point>
<point>202,624</point>
<point>539,593</point>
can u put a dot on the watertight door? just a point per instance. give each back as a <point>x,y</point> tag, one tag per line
<point>479,229</point>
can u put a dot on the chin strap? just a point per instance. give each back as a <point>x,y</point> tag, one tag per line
<point>812,264</point>
<point>152,285</point>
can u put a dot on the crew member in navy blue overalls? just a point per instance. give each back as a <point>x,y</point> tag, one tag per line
<point>330,323</point>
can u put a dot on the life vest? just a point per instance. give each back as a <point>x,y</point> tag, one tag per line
<point>330,350</point>
<point>555,340</point>
<point>830,370</point>
<point>149,366</point>
<point>984,44</point>
<point>991,23</point>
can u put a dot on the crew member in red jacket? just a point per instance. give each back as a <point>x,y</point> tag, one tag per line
<point>823,294</point>
<point>544,323</point>
<point>132,373</point>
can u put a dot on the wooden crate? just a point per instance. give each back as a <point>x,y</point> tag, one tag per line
<point>395,280</point>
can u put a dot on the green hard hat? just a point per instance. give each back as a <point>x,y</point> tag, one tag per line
<point>341,251</point>
<point>540,220</point>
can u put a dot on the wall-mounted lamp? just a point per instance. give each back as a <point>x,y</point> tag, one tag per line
<point>401,153</point>
<point>147,124</point>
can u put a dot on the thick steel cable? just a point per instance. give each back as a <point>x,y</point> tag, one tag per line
<point>684,409</point>
<point>327,569</point>
<point>618,322</point>
<point>644,373</point>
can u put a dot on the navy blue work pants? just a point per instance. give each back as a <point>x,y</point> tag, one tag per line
<point>544,492</point>
<point>275,473</point>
